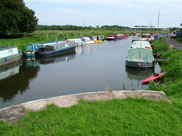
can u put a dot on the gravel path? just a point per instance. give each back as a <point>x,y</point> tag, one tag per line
<point>174,43</point>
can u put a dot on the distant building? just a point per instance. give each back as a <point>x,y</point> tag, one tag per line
<point>146,28</point>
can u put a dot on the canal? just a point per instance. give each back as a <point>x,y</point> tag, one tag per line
<point>92,68</point>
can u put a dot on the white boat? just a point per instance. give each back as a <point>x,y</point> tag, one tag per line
<point>78,41</point>
<point>94,38</point>
<point>88,40</point>
<point>9,54</point>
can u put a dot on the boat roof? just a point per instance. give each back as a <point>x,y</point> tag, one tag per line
<point>140,44</point>
<point>46,43</point>
<point>7,47</point>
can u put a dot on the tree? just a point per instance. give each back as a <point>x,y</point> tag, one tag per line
<point>16,18</point>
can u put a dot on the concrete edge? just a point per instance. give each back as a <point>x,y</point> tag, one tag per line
<point>16,112</point>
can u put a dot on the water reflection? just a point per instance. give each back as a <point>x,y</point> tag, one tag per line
<point>17,83</point>
<point>9,70</point>
<point>139,74</point>
<point>16,77</point>
<point>57,59</point>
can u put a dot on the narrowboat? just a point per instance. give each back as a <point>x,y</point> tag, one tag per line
<point>88,40</point>
<point>140,55</point>
<point>101,37</point>
<point>126,36</point>
<point>97,39</point>
<point>63,47</point>
<point>111,37</point>
<point>9,54</point>
<point>78,41</point>
<point>119,36</point>
<point>147,37</point>
<point>32,49</point>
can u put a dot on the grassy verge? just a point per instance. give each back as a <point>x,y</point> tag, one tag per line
<point>179,39</point>
<point>52,35</point>
<point>173,78</point>
<point>129,117</point>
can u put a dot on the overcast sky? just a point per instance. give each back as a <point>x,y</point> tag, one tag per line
<point>107,12</point>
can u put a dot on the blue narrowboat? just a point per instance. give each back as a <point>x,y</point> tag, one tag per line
<point>63,47</point>
<point>32,49</point>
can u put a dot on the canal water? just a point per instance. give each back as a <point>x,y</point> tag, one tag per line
<point>92,68</point>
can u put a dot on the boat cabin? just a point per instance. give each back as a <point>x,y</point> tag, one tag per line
<point>140,55</point>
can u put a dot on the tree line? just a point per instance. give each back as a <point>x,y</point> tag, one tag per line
<point>74,27</point>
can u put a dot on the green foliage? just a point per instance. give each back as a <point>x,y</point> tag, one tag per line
<point>15,18</point>
<point>179,39</point>
<point>138,117</point>
<point>155,86</point>
<point>160,46</point>
<point>173,78</point>
<point>72,27</point>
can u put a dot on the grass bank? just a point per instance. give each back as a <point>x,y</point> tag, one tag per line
<point>52,35</point>
<point>173,78</point>
<point>127,117</point>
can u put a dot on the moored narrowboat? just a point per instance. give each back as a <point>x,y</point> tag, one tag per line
<point>78,41</point>
<point>119,36</point>
<point>111,37</point>
<point>97,39</point>
<point>140,55</point>
<point>9,54</point>
<point>88,40</point>
<point>63,47</point>
<point>31,49</point>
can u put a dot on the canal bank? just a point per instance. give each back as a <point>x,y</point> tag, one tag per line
<point>130,116</point>
<point>15,113</point>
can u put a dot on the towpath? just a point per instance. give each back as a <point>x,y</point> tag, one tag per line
<point>174,43</point>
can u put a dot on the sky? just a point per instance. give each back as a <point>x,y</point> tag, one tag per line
<point>107,12</point>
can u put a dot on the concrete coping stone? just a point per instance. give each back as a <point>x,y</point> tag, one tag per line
<point>17,112</point>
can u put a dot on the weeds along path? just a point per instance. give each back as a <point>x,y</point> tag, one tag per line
<point>173,78</point>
